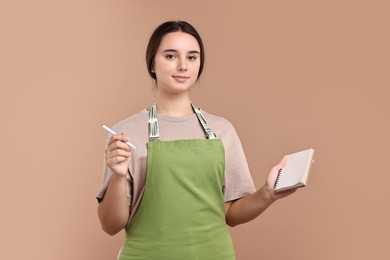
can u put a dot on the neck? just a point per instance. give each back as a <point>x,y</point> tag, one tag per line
<point>174,105</point>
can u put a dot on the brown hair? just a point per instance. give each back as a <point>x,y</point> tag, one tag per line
<point>160,32</point>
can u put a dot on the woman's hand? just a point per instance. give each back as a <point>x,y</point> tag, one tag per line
<point>118,154</point>
<point>271,179</point>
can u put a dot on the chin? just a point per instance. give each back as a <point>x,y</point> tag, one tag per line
<point>175,87</point>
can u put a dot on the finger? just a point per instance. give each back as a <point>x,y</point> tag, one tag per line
<point>286,193</point>
<point>283,162</point>
<point>118,153</point>
<point>116,160</point>
<point>118,144</point>
<point>117,148</point>
<point>118,137</point>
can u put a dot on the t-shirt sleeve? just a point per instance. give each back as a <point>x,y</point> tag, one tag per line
<point>238,180</point>
<point>107,174</point>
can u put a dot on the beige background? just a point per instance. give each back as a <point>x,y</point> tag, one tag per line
<point>288,74</point>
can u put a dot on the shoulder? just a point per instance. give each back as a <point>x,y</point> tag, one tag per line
<point>225,131</point>
<point>135,126</point>
<point>131,121</point>
<point>221,126</point>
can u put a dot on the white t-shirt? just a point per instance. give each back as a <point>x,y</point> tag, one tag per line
<point>238,181</point>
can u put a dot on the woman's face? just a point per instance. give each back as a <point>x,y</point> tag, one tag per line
<point>177,63</point>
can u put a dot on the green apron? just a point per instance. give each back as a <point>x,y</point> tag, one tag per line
<point>182,213</point>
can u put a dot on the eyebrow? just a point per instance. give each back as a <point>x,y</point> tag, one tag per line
<point>173,50</point>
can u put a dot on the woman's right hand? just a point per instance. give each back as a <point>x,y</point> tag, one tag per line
<point>118,154</point>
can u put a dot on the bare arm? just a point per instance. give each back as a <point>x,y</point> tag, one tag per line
<point>247,208</point>
<point>113,210</point>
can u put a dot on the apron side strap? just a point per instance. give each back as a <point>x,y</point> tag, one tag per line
<point>152,123</point>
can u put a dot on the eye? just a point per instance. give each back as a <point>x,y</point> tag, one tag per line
<point>192,57</point>
<point>170,56</point>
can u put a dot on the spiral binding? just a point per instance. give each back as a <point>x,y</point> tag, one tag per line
<point>277,178</point>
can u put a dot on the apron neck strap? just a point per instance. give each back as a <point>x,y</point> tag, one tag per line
<point>209,134</point>
<point>153,123</point>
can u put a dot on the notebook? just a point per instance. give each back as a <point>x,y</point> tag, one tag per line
<point>296,172</point>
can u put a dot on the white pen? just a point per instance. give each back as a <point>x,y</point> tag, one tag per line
<point>113,132</point>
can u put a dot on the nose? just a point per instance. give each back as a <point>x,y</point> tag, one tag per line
<point>182,65</point>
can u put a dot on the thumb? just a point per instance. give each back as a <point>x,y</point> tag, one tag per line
<point>282,163</point>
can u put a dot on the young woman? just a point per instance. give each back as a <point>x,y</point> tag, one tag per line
<point>188,177</point>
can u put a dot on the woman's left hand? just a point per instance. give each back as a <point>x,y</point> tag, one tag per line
<point>271,179</point>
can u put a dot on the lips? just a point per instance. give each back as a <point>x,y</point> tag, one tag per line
<point>180,78</point>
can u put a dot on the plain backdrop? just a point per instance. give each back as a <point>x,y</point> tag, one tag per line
<point>288,74</point>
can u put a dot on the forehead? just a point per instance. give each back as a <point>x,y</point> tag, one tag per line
<point>179,41</point>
